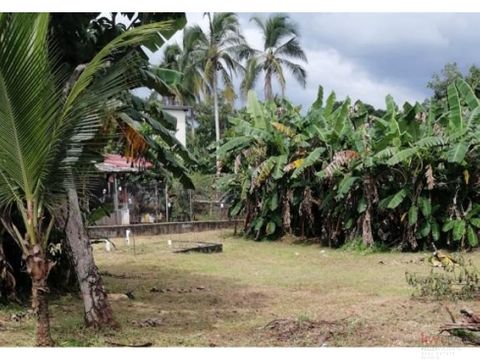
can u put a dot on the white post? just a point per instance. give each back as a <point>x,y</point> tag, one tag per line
<point>127,237</point>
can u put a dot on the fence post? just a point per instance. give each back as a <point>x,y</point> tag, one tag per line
<point>166,203</point>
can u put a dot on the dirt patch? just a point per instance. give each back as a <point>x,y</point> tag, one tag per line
<point>302,332</point>
<point>249,299</point>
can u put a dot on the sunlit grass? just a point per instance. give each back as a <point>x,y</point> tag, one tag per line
<point>225,299</point>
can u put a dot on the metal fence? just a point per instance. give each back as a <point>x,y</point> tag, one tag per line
<point>155,203</point>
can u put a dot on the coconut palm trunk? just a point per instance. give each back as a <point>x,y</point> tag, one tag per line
<point>38,268</point>
<point>98,312</point>
<point>268,91</point>
<point>217,121</point>
<point>214,53</point>
<point>43,337</point>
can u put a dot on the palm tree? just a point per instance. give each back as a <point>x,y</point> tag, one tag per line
<point>178,58</point>
<point>43,129</point>
<point>281,46</point>
<point>171,57</point>
<point>216,53</point>
<point>127,120</point>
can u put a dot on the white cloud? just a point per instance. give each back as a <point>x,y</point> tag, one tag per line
<point>334,72</point>
<point>327,66</point>
<point>367,56</point>
<point>360,30</point>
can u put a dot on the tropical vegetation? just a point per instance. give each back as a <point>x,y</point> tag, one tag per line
<point>46,125</point>
<point>342,173</point>
<point>406,180</point>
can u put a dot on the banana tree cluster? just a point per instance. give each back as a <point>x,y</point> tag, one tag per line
<point>342,173</point>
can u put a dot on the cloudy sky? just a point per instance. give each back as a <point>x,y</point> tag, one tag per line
<point>367,56</point>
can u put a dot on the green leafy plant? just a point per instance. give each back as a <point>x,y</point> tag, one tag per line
<point>395,178</point>
<point>43,131</point>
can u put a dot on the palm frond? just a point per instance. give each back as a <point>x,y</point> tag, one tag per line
<point>259,22</point>
<point>298,72</point>
<point>27,91</point>
<point>277,27</point>
<point>291,49</point>
<point>252,73</point>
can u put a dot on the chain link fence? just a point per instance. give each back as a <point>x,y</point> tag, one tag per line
<point>155,201</point>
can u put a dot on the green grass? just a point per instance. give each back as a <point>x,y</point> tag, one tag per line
<point>243,289</point>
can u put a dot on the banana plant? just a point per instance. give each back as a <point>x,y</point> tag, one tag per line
<point>464,227</point>
<point>444,155</point>
<point>269,152</point>
<point>343,172</point>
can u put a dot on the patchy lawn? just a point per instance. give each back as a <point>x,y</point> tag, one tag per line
<point>252,294</point>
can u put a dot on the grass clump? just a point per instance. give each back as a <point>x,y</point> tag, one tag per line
<point>357,245</point>
<point>303,317</point>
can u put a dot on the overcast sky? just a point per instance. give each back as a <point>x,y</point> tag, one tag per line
<point>367,56</point>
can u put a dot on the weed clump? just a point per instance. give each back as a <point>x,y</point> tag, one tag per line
<point>459,281</point>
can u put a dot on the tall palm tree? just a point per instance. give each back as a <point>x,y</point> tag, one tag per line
<point>43,129</point>
<point>216,54</point>
<point>178,58</point>
<point>281,46</point>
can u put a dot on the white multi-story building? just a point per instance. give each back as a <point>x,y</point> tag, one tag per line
<point>180,112</point>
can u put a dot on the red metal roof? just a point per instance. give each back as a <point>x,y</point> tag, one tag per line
<point>118,163</point>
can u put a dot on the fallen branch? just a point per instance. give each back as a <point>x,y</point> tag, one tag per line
<point>472,327</point>
<point>470,316</point>
<point>465,330</point>
<point>103,241</point>
<point>451,314</point>
<point>147,344</point>
<point>203,248</point>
